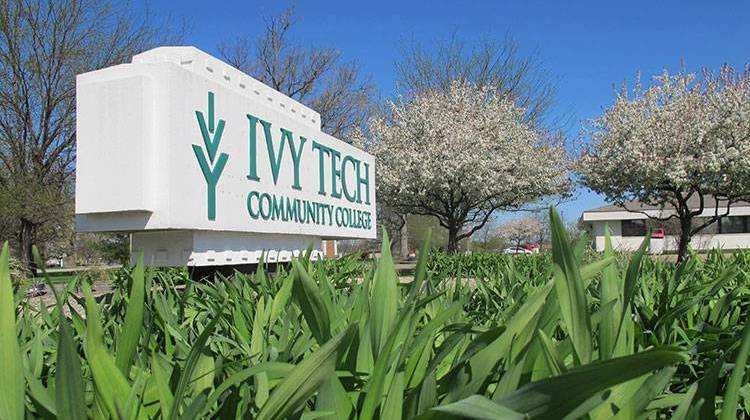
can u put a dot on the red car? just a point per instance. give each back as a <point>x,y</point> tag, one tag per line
<point>658,233</point>
<point>531,247</point>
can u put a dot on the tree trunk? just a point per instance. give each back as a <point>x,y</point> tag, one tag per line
<point>25,241</point>
<point>404,247</point>
<point>453,240</point>
<point>684,240</point>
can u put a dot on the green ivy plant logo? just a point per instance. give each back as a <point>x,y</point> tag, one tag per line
<point>211,167</point>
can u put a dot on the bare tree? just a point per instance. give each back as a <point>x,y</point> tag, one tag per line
<point>394,224</point>
<point>499,64</point>
<point>317,77</point>
<point>43,45</point>
<point>544,234</point>
<point>486,238</point>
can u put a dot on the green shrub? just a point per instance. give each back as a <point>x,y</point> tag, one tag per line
<point>483,336</point>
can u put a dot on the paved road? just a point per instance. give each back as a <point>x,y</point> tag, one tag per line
<point>57,270</point>
<point>405,266</point>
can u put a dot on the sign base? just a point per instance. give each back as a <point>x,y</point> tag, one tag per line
<point>174,248</point>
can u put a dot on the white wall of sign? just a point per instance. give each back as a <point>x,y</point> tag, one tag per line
<point>205,165</point>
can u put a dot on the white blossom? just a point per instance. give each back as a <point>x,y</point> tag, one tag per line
<point>461,154</point>
<point>685,136</point>
<point>520,231</point>
<point>680,134</point>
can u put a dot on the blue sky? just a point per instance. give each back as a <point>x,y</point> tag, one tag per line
<point>586,46</point>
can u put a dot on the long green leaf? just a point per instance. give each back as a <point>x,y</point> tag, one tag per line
<point>305,378</point>
<point>589,271</point>
<point>468,377</point>
<point>40,395</point>
<point>111,386</point>
<point>684,408</point>
<point>308,297</point>
<point>377,381</point>
<point>420,272</point>
<point>332,397</point>
<point>646,391</point>
<point>12,382</point>
<point>127,341</point>
<point>280,300</point>
<point>384,298</point>
<point>417,347</point>
<point>393,406</point>
<point>731,394</point>
<point>707,390</point>
<point>190,364</point>
<point>570,292</point>
<point>161,382</point>
<point>69,390</point>
<point>479,407</point>
<point>555,397</point>
<point>554,362</point>
<point>631,279</point>
<point>610,290</point>
<point>271,369</point>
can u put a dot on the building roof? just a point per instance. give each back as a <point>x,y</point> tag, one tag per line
<point>635,205</point>
<point>639,210</point>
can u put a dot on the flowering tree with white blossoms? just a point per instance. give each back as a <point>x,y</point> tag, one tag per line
<point>684,137</point>
<point>520,231</point>
<point>459,155</point>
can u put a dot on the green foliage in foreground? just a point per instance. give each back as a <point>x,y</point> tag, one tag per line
<point>541,337</point>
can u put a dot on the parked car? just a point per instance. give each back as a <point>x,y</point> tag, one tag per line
<point>54,262</point>
<point>533,248</point>
<point>659,233</point>
<point>516,250</point>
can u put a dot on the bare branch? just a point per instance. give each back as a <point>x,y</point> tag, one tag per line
<point>498,64</point>
<point>43,45</point>
<point>317,77</point>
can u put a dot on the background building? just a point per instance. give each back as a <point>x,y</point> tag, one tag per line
<point>628,227</point>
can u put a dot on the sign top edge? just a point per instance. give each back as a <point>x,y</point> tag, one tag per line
<point>196,61</point>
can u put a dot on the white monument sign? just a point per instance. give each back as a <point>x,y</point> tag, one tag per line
<point>205,165</point>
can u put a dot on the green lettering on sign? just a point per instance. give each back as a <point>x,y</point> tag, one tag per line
<point>335,174</point>
<point>296,155</point>
<point>273,157</point>
<point>253,156</point>
<point>355,165</point>
<point>254,214</point>
<point>211,143</point>
<point>265,210</point>
<point>363,181</point>
<point>322,151</point>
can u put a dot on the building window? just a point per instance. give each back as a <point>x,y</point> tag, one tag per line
<point>633,228</point>
<point>711,229</point>
<point>734,224</point>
